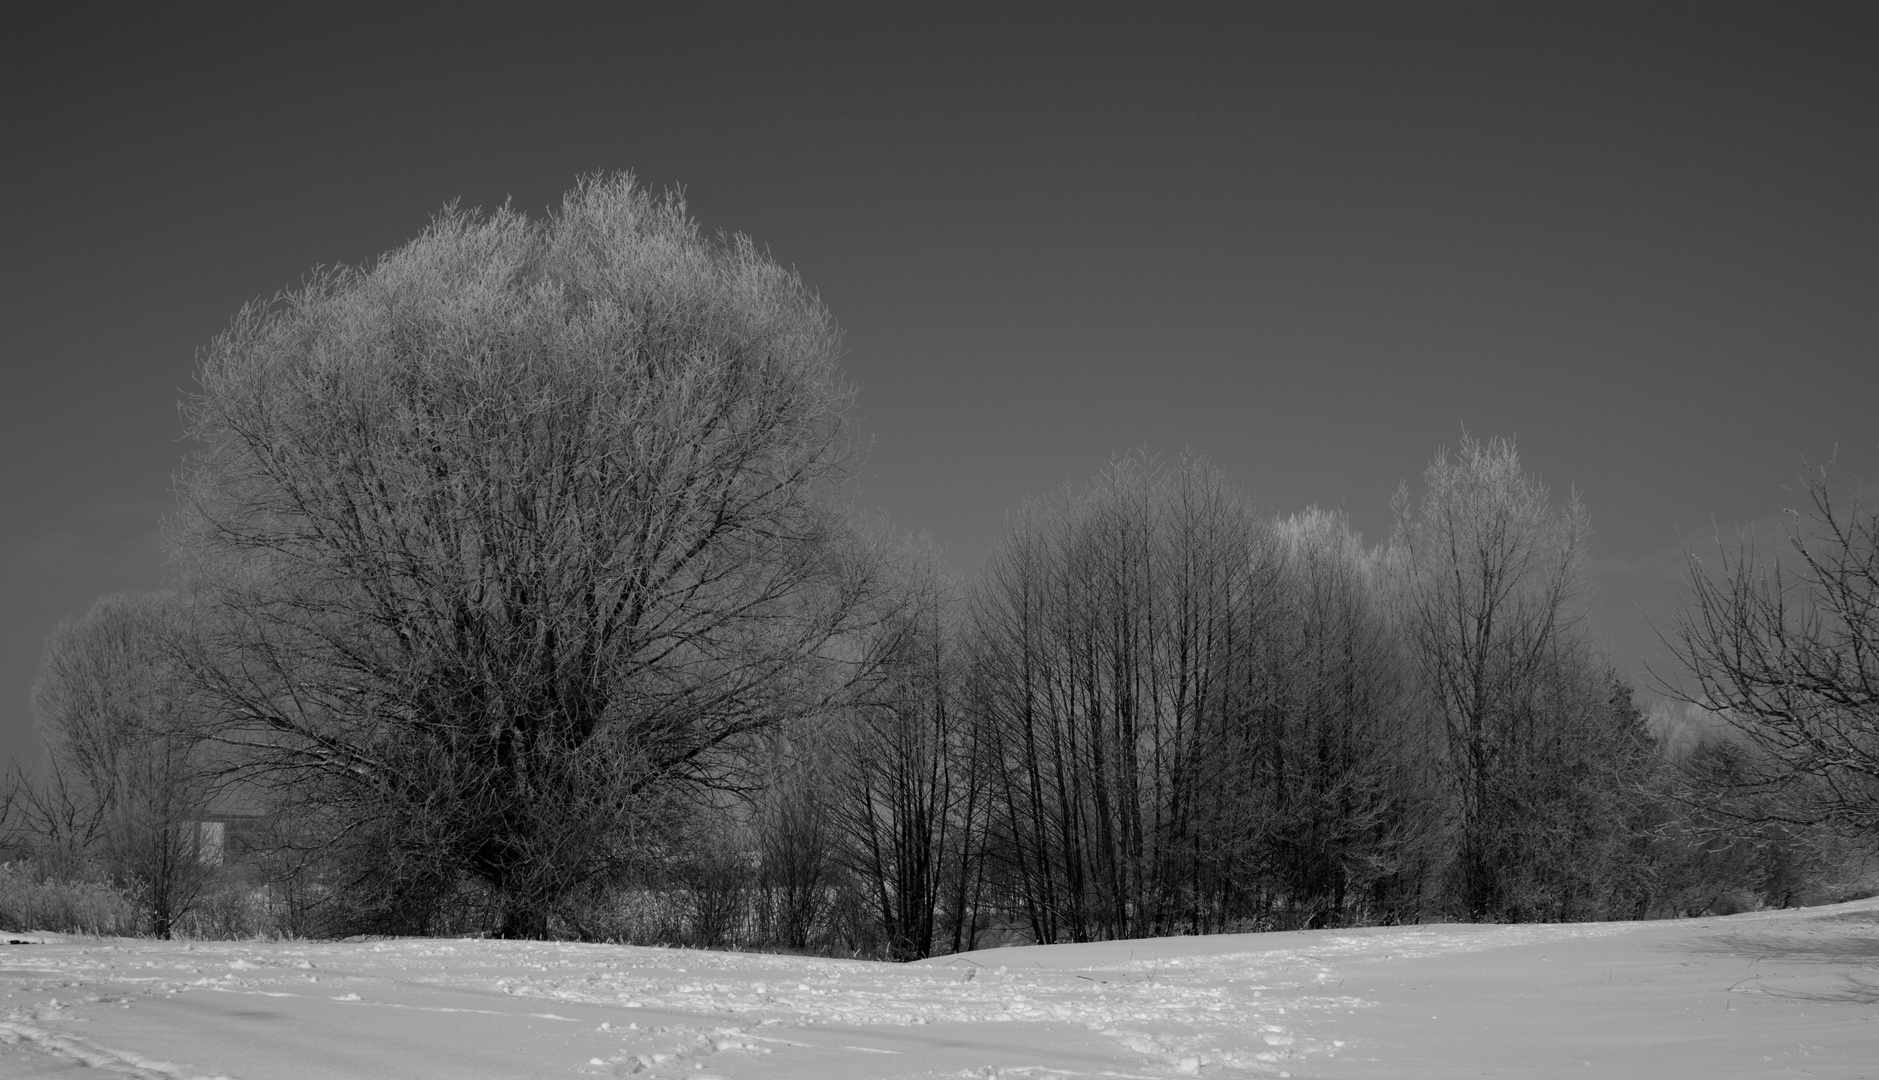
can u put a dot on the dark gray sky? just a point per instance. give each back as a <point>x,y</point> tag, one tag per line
<point>1311,241</point>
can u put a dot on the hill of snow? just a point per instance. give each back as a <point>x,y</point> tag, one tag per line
<point>1763,994</point>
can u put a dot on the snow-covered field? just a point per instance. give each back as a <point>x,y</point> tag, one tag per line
<point>1765,994</point>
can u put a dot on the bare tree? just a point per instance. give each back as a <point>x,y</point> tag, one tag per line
<point>130,779</point>
<point>907,793</point>
<point>517,526</point>
<point>1786,650</point>
<point>1098,638</point>
<point>1347,815</point>
<point>1536,742</point>
<point>797,852</point>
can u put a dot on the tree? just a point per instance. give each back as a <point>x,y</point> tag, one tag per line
<point>907,793</point>
<point>525,524</point>
<point>1346,815</point>
<point>1788,655</point>
<point>796,851</point>
<point>1100,639</point>
<point>1535,740</point>
<point>130,778</point>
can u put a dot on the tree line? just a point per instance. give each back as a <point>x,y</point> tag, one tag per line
<point>521,588</point>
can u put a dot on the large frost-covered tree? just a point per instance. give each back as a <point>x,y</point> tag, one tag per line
<point>525,523</point>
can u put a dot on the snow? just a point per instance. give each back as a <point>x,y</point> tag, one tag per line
<point>1763,994</point>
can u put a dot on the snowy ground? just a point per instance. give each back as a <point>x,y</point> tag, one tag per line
<point>1767,994</point>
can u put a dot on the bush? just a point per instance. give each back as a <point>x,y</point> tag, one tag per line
<point>32,900</point>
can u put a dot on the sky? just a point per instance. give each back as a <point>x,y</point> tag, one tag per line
<point>1313,242</point>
